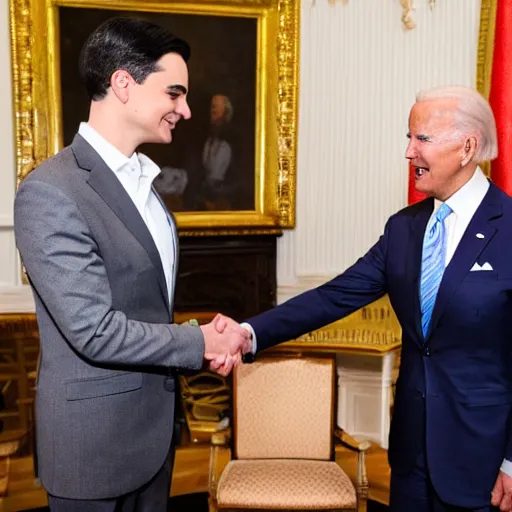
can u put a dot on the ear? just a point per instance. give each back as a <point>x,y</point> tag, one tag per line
<point>468,150</point>
<point>120,82</point>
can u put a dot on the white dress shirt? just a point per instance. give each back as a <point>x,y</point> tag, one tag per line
<point>463,204</point>
<point>136,175</point>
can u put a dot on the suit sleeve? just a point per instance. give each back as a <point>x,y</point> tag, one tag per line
<point>67,273</point>
<point>358,286</point>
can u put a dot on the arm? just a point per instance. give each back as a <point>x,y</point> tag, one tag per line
<point>68,274</point>
<point>359,285</point>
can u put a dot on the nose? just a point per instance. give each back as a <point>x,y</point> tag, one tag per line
<point>184,110</point>
<point>411,152</point>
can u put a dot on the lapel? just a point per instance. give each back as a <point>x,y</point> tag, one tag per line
<point>468,250</point>
<point>109,188</point>
<point>418,227</point>
<point>176,246</point>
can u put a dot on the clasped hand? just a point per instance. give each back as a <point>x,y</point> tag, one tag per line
<point>224,344</point>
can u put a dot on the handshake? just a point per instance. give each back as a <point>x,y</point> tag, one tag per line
<point>225,341</point>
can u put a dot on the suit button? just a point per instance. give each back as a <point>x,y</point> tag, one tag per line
<point>426,352</point>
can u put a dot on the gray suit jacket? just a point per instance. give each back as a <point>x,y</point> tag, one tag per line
<point>105,390</point>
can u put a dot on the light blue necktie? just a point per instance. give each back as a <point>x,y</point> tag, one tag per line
<point>432,264</point>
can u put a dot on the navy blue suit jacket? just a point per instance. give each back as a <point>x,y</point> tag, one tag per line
<point>454,390</point>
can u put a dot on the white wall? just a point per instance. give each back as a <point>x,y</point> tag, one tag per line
<point>359,73</point>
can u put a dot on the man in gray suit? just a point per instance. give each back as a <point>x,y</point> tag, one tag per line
<point>101,254</point>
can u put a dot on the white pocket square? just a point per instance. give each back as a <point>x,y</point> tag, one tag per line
<point>485,266</point>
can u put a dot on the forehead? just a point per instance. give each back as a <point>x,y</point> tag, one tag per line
<point>218,101</point>
<point>172,68</point>
<point>432,115</point>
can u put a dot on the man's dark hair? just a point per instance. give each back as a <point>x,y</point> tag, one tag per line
<point>125,43</point>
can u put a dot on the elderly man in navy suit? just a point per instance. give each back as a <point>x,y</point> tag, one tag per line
<point>446,264</point>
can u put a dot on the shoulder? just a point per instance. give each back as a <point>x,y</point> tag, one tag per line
<point>496,195</point>
<point>60,170</point>
<point>411,212</point>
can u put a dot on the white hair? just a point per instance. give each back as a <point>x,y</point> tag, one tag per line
<point>229,109</point>
<point>473,113</point>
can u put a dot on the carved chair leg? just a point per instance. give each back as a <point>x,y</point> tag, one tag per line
<point>212,504</point>
<point>362,482</point>
<point>362,504</point>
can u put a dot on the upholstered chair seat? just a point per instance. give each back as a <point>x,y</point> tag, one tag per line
<point>285,484</point>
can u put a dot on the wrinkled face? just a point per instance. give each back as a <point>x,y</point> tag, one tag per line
<point>436,149</point>
<point>217,109</point>
<point>156,106</point>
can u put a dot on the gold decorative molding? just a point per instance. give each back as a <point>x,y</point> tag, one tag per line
<point>363,337</point>
<point>485,55</point>
<point>22,78</point>
<point>407,14</point>
<point>372,330</point>
<point>407,19</point>
<point>229,232</point>
<point>288,58</point>
<point>486,46</point>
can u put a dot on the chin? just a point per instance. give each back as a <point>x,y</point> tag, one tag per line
<point>422,187</point>
<point>163,139</point>
<point>167,138</point>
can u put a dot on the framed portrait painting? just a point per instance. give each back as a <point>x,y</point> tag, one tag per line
<point>231,167</point>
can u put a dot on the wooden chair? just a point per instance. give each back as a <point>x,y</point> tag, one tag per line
<point>284,440</point>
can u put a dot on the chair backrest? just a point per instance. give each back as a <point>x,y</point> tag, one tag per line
<point>284,408</point>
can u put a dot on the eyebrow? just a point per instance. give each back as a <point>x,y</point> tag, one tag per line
<point>420,136</point>
<point>177,88</point>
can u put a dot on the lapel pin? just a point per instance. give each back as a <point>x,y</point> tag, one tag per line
<point>479,235</point>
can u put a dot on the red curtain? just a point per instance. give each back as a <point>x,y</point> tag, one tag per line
<point>500,96</point>
<point>413,196</point>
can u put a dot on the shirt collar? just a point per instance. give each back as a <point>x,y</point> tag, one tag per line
<point>149,168</point>
<point>116,160</point>
<point>468,198</point>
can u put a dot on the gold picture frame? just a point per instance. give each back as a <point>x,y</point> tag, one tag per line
<point>37,48</point>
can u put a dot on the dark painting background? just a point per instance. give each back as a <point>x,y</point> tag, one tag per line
<point>223,61</point>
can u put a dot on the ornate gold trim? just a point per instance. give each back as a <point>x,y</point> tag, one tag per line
<point>362,339</point>
<point>372,330</point>
<point>228,232</point>
<point>485,55</point>
<point>486,46</point>
<point>38,110</point>
<point>22,87</point>
<point>288,58</point>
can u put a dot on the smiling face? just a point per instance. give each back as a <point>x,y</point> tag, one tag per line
<point>155,106</point>
<point>439,152</point>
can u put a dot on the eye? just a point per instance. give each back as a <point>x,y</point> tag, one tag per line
<point>174,95</point>
<point>423,138</point>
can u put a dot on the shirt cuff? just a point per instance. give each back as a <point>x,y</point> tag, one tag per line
<point>247,326</point>
<point>506,467</point>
